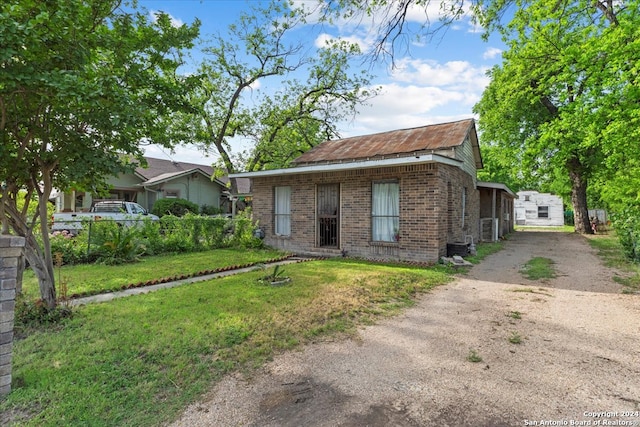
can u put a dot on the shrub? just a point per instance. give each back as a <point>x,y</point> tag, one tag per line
<point>210,210</point>
<point>107,242</point>
<point>33,313</point>
<point>177,207</point>
<point>73,249</point>
<point>244,231</point>
<point>627,226</point>
<point>113,244</point>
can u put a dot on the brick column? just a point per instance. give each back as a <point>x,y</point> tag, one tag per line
<point>10,252</point>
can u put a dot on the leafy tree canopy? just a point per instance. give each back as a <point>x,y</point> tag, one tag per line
<point>565,99</point>
<point>81,85</point>
<point>259,83</point>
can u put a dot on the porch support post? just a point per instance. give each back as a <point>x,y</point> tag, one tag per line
<point>493,216</point>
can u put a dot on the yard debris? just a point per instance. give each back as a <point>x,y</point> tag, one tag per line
<point>455,261</point>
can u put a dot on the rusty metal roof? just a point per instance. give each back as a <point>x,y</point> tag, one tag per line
<point>397,142</point>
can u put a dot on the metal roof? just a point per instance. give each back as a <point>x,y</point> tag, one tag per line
<point>393,143</point>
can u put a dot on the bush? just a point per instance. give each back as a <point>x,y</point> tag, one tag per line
<point>107,242</point>
<point>35,313</point>
<point>72,248</point>
<point>176,207</point>
<point>113,244</point>
<point>627,226</point>
<point>210,210</point>
<point>244,231</point>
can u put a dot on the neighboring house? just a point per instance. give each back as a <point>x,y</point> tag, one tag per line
<point>533,208</point>
<point>399,195</point>
<point>161,179</point>
<point>496,210</point>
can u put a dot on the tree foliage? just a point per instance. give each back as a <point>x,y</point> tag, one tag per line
<point>81,85</point>
<point>258,82</point>
<point>391,20</point>
<point>565,97</point>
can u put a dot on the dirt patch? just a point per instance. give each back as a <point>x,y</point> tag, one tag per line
<point>578,355</point>
<point>577,265</point>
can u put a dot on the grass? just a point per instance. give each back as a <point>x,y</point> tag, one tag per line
<point>483,250</point>
<point>538,268</point>
<point>514,315</point>
<point>611,252</point>
<point>515,338</point>
<point>140,360</point>
<point>473,356</point>
<point>558,228</point>
<point>95,278</point>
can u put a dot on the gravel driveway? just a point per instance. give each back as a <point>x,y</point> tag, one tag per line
<point>578,362</point>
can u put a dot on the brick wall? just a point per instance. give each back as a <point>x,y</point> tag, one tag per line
<point>10,252</point>
<point>430,211</point>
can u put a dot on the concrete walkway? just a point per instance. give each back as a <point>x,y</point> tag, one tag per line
<point>146,289</point>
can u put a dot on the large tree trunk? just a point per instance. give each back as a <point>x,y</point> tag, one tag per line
<point>40,259</point>
<point>579,196</point>
<point>20,274</point>
<point>43,269</point>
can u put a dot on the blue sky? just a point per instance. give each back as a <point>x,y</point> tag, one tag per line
<point>434,82</point>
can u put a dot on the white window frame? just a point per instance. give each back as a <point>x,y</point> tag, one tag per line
<point>385,211</point>
<point>282,211</point>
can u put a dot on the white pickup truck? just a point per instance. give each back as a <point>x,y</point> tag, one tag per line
<point>124,213</point>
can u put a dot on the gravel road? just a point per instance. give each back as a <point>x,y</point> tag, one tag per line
<point>577,363</point>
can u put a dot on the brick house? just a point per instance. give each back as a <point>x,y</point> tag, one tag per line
<point>398,195</point>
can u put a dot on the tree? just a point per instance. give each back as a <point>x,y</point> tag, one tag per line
<point>301,97</point>
<point>560,94</point>
<point>81,85</point>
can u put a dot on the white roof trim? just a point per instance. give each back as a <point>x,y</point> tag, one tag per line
<point>498,186</point>
<point>365,164</point>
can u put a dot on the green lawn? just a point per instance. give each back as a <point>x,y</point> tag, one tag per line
<point>93,278</point>
<point>140,360</point>
<point>559,228</point>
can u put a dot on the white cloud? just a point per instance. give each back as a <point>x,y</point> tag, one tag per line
<point>399,107</point>
<point>459,75</point>
<point>324,40</point>
<point>491,53</point>
<point>421,92</point>
<point>175,22</point>
<point>313,9</point>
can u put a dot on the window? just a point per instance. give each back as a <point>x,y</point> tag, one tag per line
<point>385,212</point>
<point>283,211</point>
<point>543,211</point>
<point>527,199</point>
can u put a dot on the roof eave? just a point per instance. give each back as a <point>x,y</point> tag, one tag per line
<point>365,164</point>
<point>181,174</point>
<point>497,186</point>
